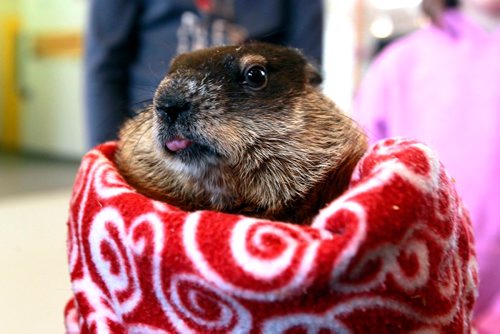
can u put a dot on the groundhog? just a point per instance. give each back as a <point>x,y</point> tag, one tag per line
<point>244,130</point>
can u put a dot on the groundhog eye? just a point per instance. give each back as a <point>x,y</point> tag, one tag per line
<point>255,77</point>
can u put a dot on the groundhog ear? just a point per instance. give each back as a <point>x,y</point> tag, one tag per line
<point>313,76</point>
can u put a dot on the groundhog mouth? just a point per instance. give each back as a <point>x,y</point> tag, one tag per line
<point>188,150</point>
<point>178,144</point>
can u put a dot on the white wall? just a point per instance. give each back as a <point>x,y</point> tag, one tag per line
<point>52,109</point>
<point>339,48</point>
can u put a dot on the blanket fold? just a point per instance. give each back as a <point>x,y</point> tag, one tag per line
<point>394,254</point>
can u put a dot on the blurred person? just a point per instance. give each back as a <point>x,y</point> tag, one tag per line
<point>441,85</point>
<point>129,44</point>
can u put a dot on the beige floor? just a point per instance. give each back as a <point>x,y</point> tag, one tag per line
<point>34,280</point>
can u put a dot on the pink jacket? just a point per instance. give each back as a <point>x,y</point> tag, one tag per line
<point>442,86</point>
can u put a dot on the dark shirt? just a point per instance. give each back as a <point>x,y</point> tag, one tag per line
<point>130,43</point>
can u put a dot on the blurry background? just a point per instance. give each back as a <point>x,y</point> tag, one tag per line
<point>42,134</point>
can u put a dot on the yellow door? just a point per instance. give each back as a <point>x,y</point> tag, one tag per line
<point>9,89</point>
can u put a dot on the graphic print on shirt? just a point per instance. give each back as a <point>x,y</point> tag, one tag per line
<point>212,26</point>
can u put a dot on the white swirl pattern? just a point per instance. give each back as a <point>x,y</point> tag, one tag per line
<point>299,280</point>
<point>388,255</point>
<point>126,277</point>
<point>107,184</point>
<point>233,317</point>
<point>265,269</point>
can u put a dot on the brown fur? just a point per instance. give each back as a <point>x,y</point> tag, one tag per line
<point>282,152</point>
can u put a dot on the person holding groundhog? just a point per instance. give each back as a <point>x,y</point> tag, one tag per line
<point>441,85</point>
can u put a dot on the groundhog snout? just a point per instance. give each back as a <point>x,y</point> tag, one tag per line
<point>171,108</point>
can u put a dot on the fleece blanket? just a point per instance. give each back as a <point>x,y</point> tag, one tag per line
<point>394,254</point>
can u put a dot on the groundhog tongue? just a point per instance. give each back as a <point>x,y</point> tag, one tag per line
<point>178,144</point>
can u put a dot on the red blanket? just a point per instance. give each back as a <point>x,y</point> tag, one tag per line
<point>394,254</point>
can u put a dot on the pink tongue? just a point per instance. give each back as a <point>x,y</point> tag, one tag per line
<point>178,144</point>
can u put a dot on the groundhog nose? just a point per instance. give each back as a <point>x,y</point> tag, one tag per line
<point>170,108</point>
